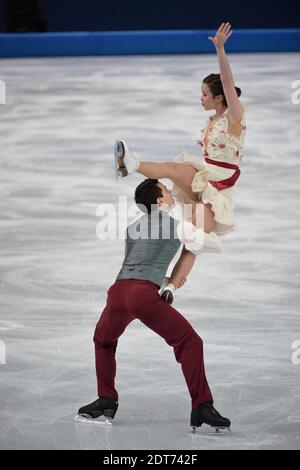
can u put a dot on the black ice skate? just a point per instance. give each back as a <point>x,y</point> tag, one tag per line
<point>207,414</point>
<point>101,411</point>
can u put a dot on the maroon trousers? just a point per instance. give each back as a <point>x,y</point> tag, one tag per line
<point>130,299</point>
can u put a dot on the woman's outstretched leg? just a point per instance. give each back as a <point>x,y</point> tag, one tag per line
<point>181,174</point>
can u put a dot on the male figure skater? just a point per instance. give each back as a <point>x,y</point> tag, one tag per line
<point>134,295</point>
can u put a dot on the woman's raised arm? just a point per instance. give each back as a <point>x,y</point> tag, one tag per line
<point>235,107</point>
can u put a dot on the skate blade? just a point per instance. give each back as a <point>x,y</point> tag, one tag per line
<point>168,297</point>
<point>120,168</point>
<point>212,431</point>
<point>102,420</point>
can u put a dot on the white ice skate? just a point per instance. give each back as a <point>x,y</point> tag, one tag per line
<point>168,293</point>
<point>126,162</point>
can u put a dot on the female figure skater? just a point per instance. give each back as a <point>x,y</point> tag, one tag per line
<point>207,185</point>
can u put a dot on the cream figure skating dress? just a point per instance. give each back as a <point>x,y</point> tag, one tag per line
<point>218,172</point>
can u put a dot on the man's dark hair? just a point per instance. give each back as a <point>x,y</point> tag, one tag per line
<point>146,194</point>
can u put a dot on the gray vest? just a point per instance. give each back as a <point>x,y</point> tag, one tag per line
<point>151,244</point>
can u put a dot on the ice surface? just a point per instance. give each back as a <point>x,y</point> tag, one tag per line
<point>58,127</point>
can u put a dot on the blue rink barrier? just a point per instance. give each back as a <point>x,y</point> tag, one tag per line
<point>144,42</point>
